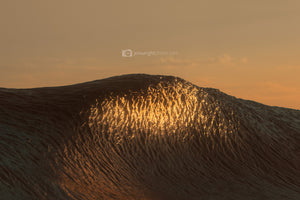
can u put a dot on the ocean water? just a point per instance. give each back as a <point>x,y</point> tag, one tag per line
<point>145,137</point>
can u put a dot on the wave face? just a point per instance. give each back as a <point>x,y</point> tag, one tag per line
<point>145,137</point>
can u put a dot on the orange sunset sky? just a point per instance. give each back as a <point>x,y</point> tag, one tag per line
<point>248,49</point>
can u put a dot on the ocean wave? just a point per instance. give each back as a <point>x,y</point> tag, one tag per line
<point>145,137</point>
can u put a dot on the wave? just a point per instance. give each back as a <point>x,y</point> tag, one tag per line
<point>145,137</point>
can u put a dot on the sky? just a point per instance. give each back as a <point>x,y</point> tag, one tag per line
<point>248,49</point>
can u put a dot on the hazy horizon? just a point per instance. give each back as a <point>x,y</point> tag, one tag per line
<point>250,50</point>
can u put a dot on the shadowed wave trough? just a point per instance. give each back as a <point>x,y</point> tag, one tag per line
<point>145,137</point>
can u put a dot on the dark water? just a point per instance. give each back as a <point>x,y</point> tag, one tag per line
<point>145,137</point>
